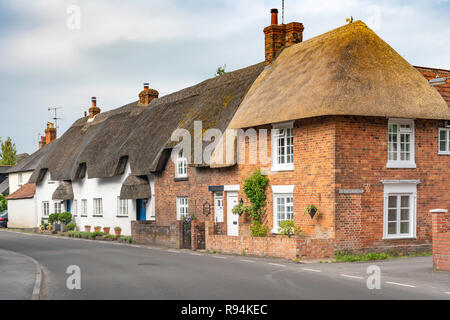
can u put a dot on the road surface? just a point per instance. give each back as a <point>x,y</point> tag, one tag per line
<point>116,271</point>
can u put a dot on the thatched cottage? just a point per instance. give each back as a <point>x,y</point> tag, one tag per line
<point>354,129</point>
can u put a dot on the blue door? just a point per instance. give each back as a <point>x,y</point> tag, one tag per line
<point>68,206</point>
<point>141,210</point>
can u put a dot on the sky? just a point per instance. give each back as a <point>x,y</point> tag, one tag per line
<point>60,53</point>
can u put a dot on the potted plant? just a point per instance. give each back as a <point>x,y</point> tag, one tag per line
<point>87,228</point>
<point>53,220</point>
<point>98,229</point>
<point>117,231</point>
<point>312,210</point>
<point>65,218</point>
<point>106,230</point>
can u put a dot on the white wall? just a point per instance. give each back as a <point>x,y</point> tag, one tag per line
<point>108,190</point>
<point>14,180</point>
<point>22,213</point>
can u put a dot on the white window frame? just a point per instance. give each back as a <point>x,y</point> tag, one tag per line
<point>75,208</point>
<point>45,209</point>
<point>122,207</point>
<point>98,207</point>
<point>57,207</point>
<point>279,192</point>
<point>447,151</point>
<point>84,206</point>
<point>181,165</point>
<point>20,179</point>
<point>401,188</point>
<point>287,166</point>
<point>182,207</point>
<point>402,163</point>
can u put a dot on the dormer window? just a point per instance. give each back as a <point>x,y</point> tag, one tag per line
<point>181,165</point>
<point>401,144</point>
<point>283,147</point>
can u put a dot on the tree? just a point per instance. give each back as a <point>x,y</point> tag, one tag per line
<point>8,155</point>
<point>3,203</point>
<point>221,70</point>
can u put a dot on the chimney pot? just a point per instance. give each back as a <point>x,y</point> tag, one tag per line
<point>146,86</point>
<point>147,95</point>
<point>50,133</point>
<point>274,13</point>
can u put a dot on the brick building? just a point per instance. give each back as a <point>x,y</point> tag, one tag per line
<point>340,121</point>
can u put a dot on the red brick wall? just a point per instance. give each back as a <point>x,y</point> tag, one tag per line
<point>441,241</point>
<point>313,178</point>
<point>148,232</point>
<point>361,157</point>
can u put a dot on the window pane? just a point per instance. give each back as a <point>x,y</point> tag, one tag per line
<point>392,228</point>
<point>392,202</point>
<point>404,227</point>
<point>404,215</point>
<point>392,215</point>
<point>405,201</point>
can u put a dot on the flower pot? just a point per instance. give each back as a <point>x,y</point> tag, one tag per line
<point>106,230</point>
<point>98,229</point>
<point>87,228</point>
<point>117,232</point>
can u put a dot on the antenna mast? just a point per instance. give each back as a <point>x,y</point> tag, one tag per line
<point>55,118</point>
<point>282,10</point>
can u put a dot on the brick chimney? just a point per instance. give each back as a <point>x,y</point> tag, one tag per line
<point>42,142</point>
<point>279,36</point>
<point>50,133</point>
<point>147,95</point>
<point>94,110</point>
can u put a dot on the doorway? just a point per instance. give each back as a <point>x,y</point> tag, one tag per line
<point>232,219</point>
<point>141,212</point>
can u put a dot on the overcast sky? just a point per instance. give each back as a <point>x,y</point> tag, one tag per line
<point>46,61</point>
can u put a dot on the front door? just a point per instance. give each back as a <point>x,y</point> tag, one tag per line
<point>232,219</point>
<point>141,210</point>
<point>218,207</point>
<point>68,206</point>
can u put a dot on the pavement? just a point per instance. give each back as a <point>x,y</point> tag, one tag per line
<point>109,270</point>
<point>17,276</point>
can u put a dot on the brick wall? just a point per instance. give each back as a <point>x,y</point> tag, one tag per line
<point>441,240</point>
<point>148,232</point>
<point>197,235</point>
<point>361,157</point>
<point>275,246</point>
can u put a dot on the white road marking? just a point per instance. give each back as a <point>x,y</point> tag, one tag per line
<point>447,292</point>
<point>218,257</point>
<point>250,261</point>
<point>401,284</point>
<point>312,270</point>
<point>195,254</point>
<point>173,251</point>
<point>276,264</point>
<point>350,276</point>
<point>135,246</point>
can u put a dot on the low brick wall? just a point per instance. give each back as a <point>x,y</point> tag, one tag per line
<point>148,232</point>
<point>197,235</point>
<point>277,247</point>
<point>441,240</point>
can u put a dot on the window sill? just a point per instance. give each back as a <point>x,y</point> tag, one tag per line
<point>121,216</point>
<point>83,216</point>
<point>283,168</point>
<point>401,165</point>
<point>98,216</point>
<point>444,153</point>
<point>179,179</point>
<point>400,238</point>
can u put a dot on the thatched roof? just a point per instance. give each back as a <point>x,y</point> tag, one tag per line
<point>31,162</point>
<point>136,187</point>
<point>27,191</point>
<point>347,71</point>
<point>143,133</point>
<point>64,191</point>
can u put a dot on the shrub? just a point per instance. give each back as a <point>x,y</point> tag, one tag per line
<point>73,234</point>
<point>65,217</point>
<point>258,230</point>
<point>53,218</point>
<point>71,226</point>
<point>255,190</point>
<point>126,239</point>
<point>96,234</point>
<point>288,228</point>
<point>110,237</point>
<point>85,235</point>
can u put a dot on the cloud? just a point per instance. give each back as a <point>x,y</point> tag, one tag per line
<point>170,43</point>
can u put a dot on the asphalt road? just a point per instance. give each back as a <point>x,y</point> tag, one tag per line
<point>115,271</point>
